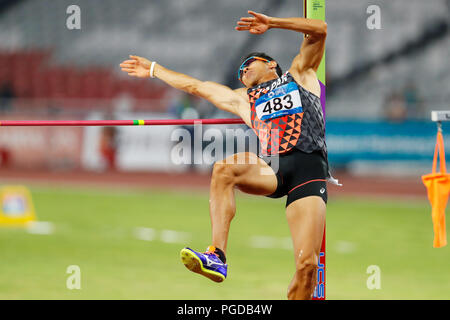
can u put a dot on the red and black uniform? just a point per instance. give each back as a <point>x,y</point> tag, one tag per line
<point>288,121</point>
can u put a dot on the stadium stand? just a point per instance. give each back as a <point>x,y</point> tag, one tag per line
<point>41,58</point>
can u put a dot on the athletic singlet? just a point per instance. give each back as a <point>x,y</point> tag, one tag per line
<point>284,115</point>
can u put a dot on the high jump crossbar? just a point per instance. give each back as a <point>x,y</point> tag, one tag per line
<point>83,123</point>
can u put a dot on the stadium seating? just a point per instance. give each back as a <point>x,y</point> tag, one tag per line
<point>197,37</point>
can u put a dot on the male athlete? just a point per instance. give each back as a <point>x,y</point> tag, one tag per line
<point>285,112</point>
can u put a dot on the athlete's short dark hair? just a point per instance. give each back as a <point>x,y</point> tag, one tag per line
<point>265,56</point>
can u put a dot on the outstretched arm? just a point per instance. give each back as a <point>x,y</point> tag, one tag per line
<point>221,96</point>
<point>313,46</point>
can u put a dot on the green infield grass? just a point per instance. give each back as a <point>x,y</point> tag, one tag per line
<point>126,244</point>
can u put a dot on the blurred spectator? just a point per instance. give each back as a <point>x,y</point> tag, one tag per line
<point>108,147</point>
<point>5,157</point>
<point>184,107</point>
<point>6,96</point>
<point>206,109</point>
<point>413,103</point>
<point>404,105</point>
<point>395,108</point>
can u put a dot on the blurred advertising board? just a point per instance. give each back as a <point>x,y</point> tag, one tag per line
<point>142,148</point>
<point>40,147</point>
<point>379,141</point>
<point>135,148</point>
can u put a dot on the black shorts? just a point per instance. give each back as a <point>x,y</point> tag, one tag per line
<point>300,175</point>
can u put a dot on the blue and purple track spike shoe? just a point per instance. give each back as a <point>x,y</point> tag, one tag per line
<point>207,264</point>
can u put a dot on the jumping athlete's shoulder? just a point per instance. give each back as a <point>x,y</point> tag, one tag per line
<point>308,81</point>
<point>241,91</point>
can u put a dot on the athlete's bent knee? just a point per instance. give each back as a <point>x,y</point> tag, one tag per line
<point>222,173</point>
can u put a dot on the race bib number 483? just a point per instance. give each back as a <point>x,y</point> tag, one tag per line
<point>279,102</point>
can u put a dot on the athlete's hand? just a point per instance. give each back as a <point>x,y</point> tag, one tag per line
<point>137,67</point>
<point>258,24</point>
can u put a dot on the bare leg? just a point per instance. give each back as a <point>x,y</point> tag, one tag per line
<point>245,171</point>
<point>306,218</point>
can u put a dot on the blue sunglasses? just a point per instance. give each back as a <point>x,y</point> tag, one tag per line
<point>247,62</point>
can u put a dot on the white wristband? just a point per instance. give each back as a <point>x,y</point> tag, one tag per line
<point>152,68</point>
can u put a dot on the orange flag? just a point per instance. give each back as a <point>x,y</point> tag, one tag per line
<point>438,187</point>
